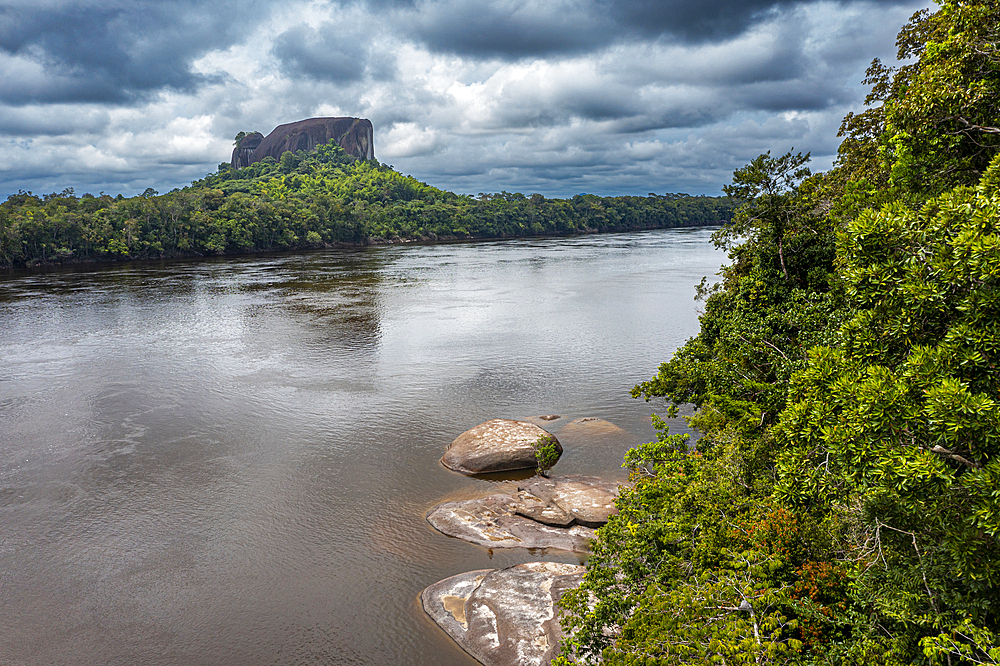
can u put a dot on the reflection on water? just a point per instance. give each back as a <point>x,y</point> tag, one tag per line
<point>229,461</point>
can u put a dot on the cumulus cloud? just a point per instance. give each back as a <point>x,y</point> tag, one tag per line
<point>561,97</point>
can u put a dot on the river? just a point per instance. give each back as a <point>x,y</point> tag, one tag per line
<point>228,461</point>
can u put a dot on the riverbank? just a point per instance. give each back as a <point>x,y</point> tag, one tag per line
<point>326,200</point>
<point>72,262</point>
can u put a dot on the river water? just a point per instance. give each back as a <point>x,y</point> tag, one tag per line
<point>228,462</point>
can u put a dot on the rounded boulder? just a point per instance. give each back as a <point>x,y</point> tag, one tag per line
<point>499,445</point>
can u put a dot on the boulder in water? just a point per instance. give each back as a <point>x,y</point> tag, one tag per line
<point>504,617</point>
<point>500,445</point>
<point>554,513</point>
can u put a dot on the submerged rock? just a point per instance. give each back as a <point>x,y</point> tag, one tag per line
<point>597,430</point>
<point>500,445</point>
<point>494,522</point>
<point>504,617</point>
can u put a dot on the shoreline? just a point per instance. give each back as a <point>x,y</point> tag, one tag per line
<point>42,267</point>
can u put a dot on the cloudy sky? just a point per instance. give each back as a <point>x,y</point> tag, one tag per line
<point>550,96</point>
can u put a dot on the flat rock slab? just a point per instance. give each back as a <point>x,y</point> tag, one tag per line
<point>493,522</point>
<point>588,499</point>
<point>536,508</point>
<point>500,445</point>
<point>504,617</point>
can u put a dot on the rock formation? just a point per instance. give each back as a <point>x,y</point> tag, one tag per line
<point>499,445</point>
<point>244,149</point>
<point>504,617</point>
<point>355,136</point>
<point>497,521</point>
<point>554,513</point>
<point>589,500</point>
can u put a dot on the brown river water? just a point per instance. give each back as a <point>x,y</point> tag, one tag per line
<point>228,461</point>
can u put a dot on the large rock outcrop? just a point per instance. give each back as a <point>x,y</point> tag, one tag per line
<point>504,617</point>
<point>244,149</point>
<point>354,135</point>
<point>500,445</point>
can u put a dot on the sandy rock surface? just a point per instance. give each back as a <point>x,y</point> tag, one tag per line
<point>539,510</point>
<point>558,512</point>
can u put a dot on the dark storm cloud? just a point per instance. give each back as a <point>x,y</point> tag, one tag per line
<point>691,20</point>
<point>809,95</point>
<point>680,117</point>
<point>115,52</point>
<point>518,29</point>
<point>335,52</point>
<point>525,109</point>
<point>505,30</point>
<point>699,20</point>
<point>617,111</point>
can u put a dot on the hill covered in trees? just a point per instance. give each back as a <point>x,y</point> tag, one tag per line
<point>307,200</point>
<point>843,505</point>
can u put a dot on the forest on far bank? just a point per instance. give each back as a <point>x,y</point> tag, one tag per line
<point>309,200</point>
<point>843,505</point>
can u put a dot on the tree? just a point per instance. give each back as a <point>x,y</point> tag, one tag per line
<point>288,162</point>
<point>933,123</point>
<point>766,190</point>
<point>895,432</point>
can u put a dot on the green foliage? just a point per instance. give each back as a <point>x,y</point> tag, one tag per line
<point>847,380</point>
<point>307,200</point>
<point>646,458</point>
<point>896,431</point>
<point>936,124</point>
<point>546,453</point>
<point>767,191</point>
